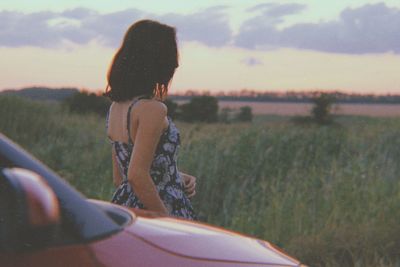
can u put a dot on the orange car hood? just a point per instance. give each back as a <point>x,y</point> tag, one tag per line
<point>201,241</point>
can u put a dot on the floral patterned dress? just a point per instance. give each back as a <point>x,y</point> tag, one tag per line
<point>163,171</point>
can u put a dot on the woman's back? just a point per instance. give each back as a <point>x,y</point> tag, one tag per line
<point>118,118</point>
<point>122,123</point>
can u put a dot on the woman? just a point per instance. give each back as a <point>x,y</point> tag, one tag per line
<point>145,140</point>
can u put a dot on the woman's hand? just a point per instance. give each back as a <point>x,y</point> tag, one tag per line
<point>190,184</point>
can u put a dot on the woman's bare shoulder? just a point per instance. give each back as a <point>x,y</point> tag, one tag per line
<point>151,108</point>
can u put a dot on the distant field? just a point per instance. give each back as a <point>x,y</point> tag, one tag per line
<point>290,109</point>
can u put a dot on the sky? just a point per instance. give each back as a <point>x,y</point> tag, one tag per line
<point>225,45</point>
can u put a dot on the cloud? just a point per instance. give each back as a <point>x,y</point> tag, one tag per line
<point>209,26</point>
<point>260,31</point>
<point>78,13</point>
<point>81,25</point>
<point>278,10</point>
<point>368,29</point>
<point>251,61</point>
<point>109,28</point>
<point>37,29</point>
<point>371,28</point>
<point>18,29</point>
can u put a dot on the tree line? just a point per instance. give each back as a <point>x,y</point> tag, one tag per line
<point>198,108</point>
<point>58,94</point>
<point>293,96</point>
<point>203,108</point>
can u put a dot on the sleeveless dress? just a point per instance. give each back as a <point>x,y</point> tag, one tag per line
<point>163,171</point>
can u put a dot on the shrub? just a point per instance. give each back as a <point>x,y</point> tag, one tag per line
<point>321,110</point>
<point>85,102</point>
<point>245,114</point>
<point>225,115</point>
<point>200,108</point>
<point>172,108</point>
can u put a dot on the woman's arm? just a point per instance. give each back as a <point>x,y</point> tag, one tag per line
<point>190,184</point>
<point>117,179</point>
<point>151,123</point>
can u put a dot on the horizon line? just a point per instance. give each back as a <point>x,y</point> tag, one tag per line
<point>220,92</point>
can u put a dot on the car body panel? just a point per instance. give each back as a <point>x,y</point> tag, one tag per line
<point>202,242</point>
<point>130,251</point>
<point>65,256</point>
<point>199,241</point>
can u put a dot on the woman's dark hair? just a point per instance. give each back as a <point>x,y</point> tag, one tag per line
<point>145,62</point>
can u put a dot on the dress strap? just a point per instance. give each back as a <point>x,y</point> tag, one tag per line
<point>128,121</point>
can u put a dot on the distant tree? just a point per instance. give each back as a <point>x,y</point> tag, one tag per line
<point>172,108</point>
<point>245,114</point>
<point>85,102</point>
<point>321,110</point>
<point>225,115</point>
<point>200,108</point>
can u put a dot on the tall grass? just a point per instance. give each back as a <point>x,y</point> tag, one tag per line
<point>74,146</point>
<point>328,195</point>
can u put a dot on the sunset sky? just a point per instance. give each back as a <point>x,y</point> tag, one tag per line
<point>347,45</point>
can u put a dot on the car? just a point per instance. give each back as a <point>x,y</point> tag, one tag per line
<point>46,222</point>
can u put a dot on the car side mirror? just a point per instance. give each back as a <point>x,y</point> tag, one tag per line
<point>29,210</point>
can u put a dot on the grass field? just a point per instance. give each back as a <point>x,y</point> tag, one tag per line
<point>328,195</point>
